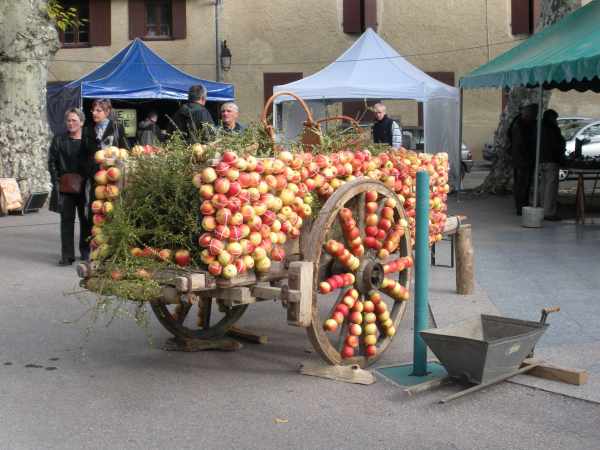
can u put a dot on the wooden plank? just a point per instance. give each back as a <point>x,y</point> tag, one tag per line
<point>300,279</point>
<point>347,374</point>
<point>247,335</point>
<point>232,296</point>
<point>197,345</point>
<point>275,293</point>
<point>465,276</point>
<point>198,281</point>
<point>555,373</point>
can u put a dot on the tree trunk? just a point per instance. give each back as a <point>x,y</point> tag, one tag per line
<point>500,178</point>
<point>27,42</point>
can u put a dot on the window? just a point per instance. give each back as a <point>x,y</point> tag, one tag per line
<point>157,19</point>
<point>524,16</point>
<point>271,79</point>
<point>359,15</point>
<point>77,35</point>
<point>95,27</point>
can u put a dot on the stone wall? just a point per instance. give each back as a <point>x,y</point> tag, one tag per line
<point>27,41</point>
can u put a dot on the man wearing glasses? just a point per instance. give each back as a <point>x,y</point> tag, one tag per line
<point>385,130</point>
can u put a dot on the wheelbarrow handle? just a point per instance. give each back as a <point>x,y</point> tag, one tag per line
<point>546,311</point>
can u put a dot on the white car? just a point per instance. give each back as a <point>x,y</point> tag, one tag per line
<point>583,129</point>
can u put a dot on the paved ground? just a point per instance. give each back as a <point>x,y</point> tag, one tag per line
<point>115,390</point>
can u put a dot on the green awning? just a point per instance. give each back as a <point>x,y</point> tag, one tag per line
<point>565,55</point>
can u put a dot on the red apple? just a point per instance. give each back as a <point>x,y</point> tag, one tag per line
<point>182,257</point>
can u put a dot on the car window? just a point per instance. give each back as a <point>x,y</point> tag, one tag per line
<point>591,132</point>
<point>570,128</point>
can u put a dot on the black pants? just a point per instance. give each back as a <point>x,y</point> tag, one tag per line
<point>522,186</point>
<point>70,204</point>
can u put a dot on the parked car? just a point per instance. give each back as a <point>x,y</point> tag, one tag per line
<point>489,154</point>
<point>585,130</point>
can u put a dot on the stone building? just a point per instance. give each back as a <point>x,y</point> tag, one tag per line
<point>273,42</point>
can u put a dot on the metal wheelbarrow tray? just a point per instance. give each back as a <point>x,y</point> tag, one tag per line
<point>483,349</point>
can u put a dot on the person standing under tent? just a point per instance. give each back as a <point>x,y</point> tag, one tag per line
<point>230,113</point>
<point>523,137</point>
<point>67,166</point>
<point>193,117</point>
<point>148,131</point>
<point>552,154</point>
<point>385,130</point>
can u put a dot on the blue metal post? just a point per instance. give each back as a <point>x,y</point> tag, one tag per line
<point>421,274</point>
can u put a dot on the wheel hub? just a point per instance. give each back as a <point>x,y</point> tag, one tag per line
<point>370,275</point>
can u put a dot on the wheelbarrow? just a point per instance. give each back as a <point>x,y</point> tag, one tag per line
<point>486,350</point>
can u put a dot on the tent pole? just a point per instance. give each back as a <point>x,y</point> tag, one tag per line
<point>217,42</point>
<point>537,146</point>
<point>460,139</point>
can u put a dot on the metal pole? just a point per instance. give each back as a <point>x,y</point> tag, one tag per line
<point>460,139</point>
<point>537,147</point>
<point>219,75</point>
<point>421,274</point>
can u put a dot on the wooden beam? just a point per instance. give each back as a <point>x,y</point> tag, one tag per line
<point>465,270</point>
<point>247,335</point>
<point>347,374</point>
<point>300,280</point>
<point>197,280</point>
<point>555,373</point>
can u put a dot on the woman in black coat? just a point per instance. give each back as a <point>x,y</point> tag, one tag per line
<point>67,162</point>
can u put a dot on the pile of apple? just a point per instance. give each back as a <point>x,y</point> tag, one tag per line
<point>106,191</point>
<point>250,207</point>
<point>362,315</point>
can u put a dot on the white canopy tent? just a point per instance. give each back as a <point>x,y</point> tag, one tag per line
<point>372,69</point>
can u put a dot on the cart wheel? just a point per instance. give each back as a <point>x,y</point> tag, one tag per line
<point>199,320</point>
<point>351,217</point>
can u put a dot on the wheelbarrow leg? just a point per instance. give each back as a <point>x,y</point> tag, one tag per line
<point>545,312</point>
<point>489,383</point>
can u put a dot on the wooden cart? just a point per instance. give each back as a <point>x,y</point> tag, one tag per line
<point>194,305</point>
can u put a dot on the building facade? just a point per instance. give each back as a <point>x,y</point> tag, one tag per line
<point>274,42</point>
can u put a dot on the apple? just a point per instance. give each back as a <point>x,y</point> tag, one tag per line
<point>370,339</point>
<point>222,185</point>
<point>352,341</point>
<point>112,191</point>
<point>116,275</point>
<point>371,196</point>
<point>97,206</point>
<point>347,352</point>
<point>222,232</point>
<point>370,329</point>
<point>165,254</point>
<point>370,351</point>
<point>182,257</point>
<point>263,265</point>
<point>356,317</point>
<point>330,325</point>
<point>225,258</point>
<point>229,271</point>
<point>234,248</point>
<point>325,287</point>
<point>113,174</point>
<point>100,192</point>
<point>209,223</point>
<point>207,191</point>
<point>100,177</point>
<point>368,306</point>
<point>135,252</point>
<point>341,307</point>
<point>354,329</point>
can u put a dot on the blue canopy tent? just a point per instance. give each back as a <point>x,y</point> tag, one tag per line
<point>134,73</point>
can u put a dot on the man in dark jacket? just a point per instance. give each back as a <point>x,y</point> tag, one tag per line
<point>193,117</point>
<point>385,130</point>
<point>67,158</point>
<point>552,154</point>
<point>523,137</point>
<point>148,131</point>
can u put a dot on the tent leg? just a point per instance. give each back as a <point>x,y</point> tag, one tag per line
<point>460,138</point>
<point>537,147</point>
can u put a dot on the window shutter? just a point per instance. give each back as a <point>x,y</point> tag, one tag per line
<point>520,14</point>
<point>271,79</point>
<point>99,22</point>
<point>370,14</point>
<point>444,77</point>
<point>179,19</point>
<point>137,19</point>
<point>352,16</point>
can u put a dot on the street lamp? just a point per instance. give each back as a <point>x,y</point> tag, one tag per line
<point>225,57</point>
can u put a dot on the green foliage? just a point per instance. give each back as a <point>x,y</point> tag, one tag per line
<point>63,17</point>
